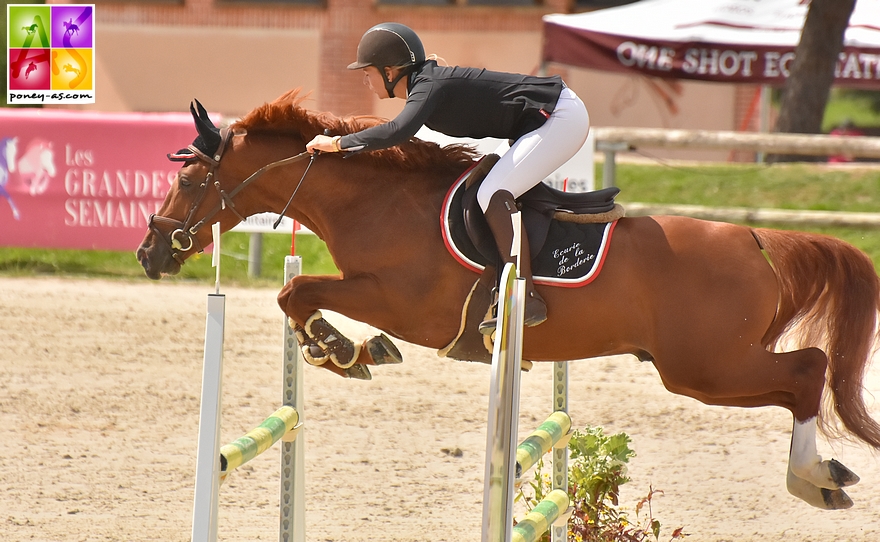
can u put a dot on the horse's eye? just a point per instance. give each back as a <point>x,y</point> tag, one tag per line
<point>184,182</point>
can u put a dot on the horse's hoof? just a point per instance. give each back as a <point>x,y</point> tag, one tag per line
<point>358,372</point>
<point>836,499</point>
<point>382,350</point>
<point>841,475</point>
<point>825,499</point>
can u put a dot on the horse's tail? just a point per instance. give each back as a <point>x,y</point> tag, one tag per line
<point>830,292</point>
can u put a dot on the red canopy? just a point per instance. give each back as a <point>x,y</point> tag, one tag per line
<point>732,41</point>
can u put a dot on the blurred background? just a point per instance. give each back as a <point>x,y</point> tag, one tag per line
<point>156,56</point>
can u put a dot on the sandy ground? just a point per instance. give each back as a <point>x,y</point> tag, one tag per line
<point>99,400</point>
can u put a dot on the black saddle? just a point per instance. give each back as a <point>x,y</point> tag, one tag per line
<point>539,206</point>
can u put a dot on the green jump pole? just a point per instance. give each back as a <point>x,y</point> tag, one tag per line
<point>258,440</point>
<point>541,440</point>
<point>541,517</point>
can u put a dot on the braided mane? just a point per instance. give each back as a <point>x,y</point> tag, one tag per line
<point>285,115</point>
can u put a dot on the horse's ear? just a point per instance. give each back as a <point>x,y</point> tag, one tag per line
<point>200,115</point>
<point>203,113</point>
<point>209,135</point>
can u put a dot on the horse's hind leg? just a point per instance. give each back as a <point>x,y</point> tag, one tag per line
<point>754,377</point>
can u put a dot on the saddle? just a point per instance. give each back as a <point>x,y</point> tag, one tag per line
<point>568,235</point>
<point>563,218</point>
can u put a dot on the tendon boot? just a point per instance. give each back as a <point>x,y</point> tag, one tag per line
<point>498,213</point>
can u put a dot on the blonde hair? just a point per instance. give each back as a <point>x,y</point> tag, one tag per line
<point>439,59</point>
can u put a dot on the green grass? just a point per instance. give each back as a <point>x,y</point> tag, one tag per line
<point>780,186</point>
<point>858,107</point>
<point>784,186</point>
<point>124,265</point>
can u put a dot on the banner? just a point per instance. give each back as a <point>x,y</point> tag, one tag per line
<point>83,180</point>
<point>728,41</point>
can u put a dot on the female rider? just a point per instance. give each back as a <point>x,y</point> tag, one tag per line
<point>544,120</point>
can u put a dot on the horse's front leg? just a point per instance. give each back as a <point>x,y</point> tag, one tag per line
<point>813,479</point>
<point>320,342</point>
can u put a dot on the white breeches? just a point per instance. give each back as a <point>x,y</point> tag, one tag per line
<point>537,154</point>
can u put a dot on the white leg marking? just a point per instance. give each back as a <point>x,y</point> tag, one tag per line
<point>804,460</point>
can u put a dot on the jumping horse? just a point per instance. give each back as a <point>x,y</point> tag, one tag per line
<point>708,303</point>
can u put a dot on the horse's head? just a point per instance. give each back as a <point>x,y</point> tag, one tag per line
<point>181,225</point>
<point>203,191</point>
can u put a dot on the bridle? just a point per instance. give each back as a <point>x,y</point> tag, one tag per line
<point>183,234</point>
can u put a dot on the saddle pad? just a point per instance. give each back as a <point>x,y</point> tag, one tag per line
<point>572,255</point>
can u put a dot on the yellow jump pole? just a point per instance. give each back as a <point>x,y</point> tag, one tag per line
<point>258,440</point>
<point>541,440</point>
<point>541,517</point>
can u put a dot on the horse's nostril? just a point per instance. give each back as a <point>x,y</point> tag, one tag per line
<point>141,255</point>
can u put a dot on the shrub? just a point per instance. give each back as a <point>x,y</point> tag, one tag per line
<point>597,469</point>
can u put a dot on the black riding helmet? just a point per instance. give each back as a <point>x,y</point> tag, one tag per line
<point>390,45</point>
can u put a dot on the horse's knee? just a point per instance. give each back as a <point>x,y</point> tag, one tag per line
<point>285,292</point>
<point>290,299</point>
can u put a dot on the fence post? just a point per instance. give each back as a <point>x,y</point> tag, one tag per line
<point>503,410</point>
<point>255,254</point>
<point>205,501</point>
<point>609,168</point>
<point>292,526</point>
<point>560,454</point>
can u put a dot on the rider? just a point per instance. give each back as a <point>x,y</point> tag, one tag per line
<point>545,122</point>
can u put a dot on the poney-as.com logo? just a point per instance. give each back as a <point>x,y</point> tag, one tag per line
<point>50,53</point>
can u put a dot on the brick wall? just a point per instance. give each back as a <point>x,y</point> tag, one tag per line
<point>341,24</point>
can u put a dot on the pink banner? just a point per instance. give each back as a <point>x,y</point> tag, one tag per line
<point>84,180</point>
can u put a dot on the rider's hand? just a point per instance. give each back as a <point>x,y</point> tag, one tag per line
<point>324,144</point>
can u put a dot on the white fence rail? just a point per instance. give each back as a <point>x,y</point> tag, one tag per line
<point>757,216</point>
<point>611,140</point>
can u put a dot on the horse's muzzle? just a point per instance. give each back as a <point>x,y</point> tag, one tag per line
<point>155,262</point>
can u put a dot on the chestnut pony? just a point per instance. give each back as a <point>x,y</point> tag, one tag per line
<point>699,299</point>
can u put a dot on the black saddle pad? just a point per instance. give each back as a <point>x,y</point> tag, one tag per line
<point>571,256</point>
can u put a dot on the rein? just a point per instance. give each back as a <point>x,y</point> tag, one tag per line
<point>183,230</point>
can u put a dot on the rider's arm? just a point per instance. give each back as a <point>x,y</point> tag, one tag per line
<point>420,104</point>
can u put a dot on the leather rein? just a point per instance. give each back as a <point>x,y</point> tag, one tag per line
<point>183,235</point>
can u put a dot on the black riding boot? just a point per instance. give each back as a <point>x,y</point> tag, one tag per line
<point>501,207</point>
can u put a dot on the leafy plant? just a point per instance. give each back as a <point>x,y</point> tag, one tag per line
<point>597,469</point>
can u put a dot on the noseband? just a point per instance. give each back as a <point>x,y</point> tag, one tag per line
<point>183,234</point>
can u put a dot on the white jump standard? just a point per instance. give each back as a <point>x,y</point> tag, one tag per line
<point>215,463</point>
<point>504,460</point>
